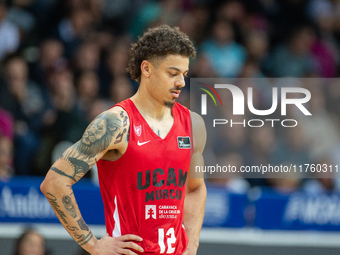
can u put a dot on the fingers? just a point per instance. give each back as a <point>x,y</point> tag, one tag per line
<point>132,245</point>
<point>126,239</point>
<point>130,237</point>
<point>124,251</point>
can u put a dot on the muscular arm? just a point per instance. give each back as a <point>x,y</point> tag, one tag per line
<point>106,132</point>
<point>196,191</point>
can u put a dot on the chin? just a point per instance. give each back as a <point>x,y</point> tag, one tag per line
<point>169,104</point>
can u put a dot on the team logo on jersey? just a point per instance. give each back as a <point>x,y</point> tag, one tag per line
<point>138,130</point>
<point>183,142</point>
<point>150,211</point>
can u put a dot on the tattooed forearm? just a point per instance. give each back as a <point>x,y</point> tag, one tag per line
<point>83,239</point>
<point>72,228</point>
<point>67,201</point>
<point>82,224</point>
<point>53,201</point>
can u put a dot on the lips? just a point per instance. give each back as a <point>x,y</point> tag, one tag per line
<point>175,93</point>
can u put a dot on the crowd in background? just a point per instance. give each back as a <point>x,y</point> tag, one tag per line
<point>63,62</point>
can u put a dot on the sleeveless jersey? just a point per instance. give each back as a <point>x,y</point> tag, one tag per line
<point>144,190</point>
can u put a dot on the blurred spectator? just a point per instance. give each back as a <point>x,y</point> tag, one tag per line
<point>10,34</point>
<point>24,99</point>
<point>121,89</point>
<point>202,68</point>
<point>6,158</point>
<point>70,121</point>
<point>287,183</point>
<point>293,59</point>
<point>6,124</point>
<point>67,121</point>
<point>88,89</point>
<point>19,15</point>
<point>257,44</point>
<point>233,11</point>
<point>87,57</point>
<point>30,243</point>
<point>293,148</point>
<point>50,57</point>
<point>225,55</point>
<point>97,107</point>
<point>73,29</point>
<point>321,130</point>
<point>325,13</point>
<point>233,139</point>
<point>321,182</point>
<point>161,12</point>
<point>115,64</point>
<point>251,69</point>
<point>117,14</point>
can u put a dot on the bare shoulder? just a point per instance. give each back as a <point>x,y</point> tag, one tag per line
<point>198,130</point>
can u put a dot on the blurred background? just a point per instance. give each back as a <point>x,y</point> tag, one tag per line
<point>62,62</point>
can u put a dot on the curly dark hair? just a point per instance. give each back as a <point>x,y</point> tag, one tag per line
<point>155,44</point>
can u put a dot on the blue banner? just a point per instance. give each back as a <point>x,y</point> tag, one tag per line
<point>22,201</point>
<point>297,211</point>
<point>224,209</point>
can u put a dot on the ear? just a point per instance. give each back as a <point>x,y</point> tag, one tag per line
<point>146,68</point>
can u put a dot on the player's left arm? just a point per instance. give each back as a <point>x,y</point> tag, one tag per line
<point>196,191</point>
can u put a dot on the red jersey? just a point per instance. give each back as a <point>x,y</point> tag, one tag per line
<point>144,190</point>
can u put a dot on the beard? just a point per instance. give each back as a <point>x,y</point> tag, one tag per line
<point>169,104</point>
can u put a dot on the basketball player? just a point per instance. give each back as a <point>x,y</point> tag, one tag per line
<point>143,147</point>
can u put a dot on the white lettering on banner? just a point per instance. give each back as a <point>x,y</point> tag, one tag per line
<point>31,205</point>
<point>320,210</point>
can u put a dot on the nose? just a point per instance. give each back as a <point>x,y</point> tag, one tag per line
<point>180,82</point>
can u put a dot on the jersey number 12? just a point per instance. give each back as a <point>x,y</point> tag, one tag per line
<point>171,239</point>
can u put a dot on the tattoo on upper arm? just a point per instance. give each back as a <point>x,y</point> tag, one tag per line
<point>67,201</point>
<point>97,138</point>
<point>119,137</point>
<point>99,134</point>
<point>80,168</point>
<point>82,224</point>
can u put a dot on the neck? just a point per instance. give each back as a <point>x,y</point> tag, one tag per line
<point>149,107</point>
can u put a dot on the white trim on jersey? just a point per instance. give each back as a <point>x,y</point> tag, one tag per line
<point>116,231</point>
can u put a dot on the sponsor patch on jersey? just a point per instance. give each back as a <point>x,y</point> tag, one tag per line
<point>138,130</point>
<point>183,142</point>
<point>150,211</point>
